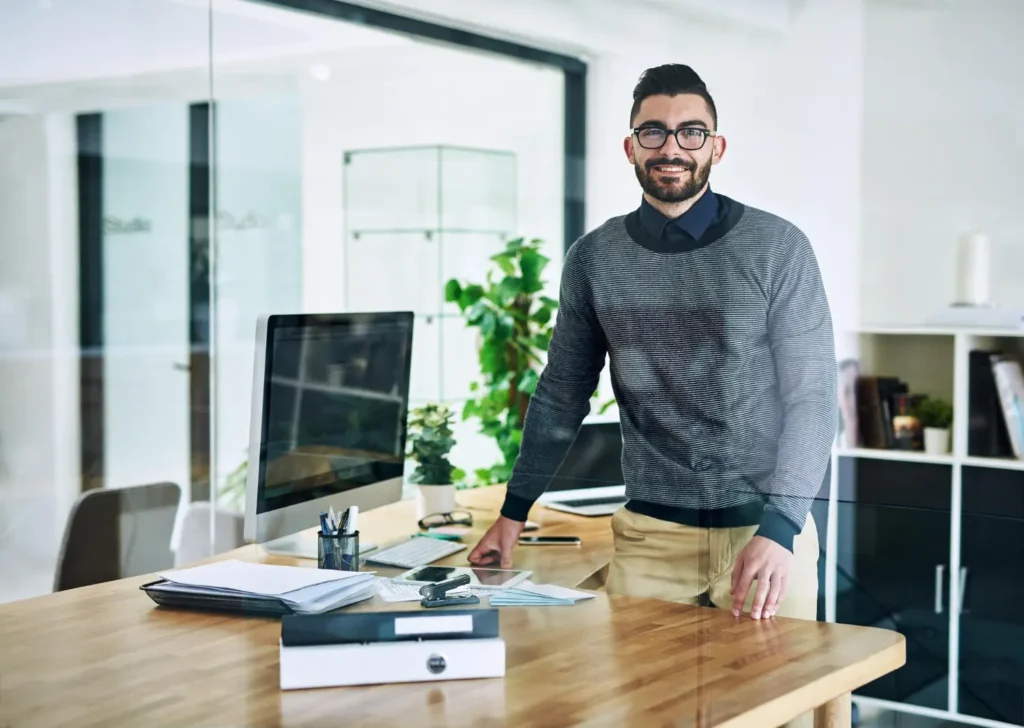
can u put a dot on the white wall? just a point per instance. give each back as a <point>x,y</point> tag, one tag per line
<point>943,151</point>
<point>789,107</point>
<point>789,94</point>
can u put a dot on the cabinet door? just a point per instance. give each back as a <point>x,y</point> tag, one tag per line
<point>991,662</point>
<point>893,554</point>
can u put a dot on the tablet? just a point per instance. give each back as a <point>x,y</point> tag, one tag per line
<point>483,578</point>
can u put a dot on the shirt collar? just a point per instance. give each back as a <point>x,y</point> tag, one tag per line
<point>693,222</point>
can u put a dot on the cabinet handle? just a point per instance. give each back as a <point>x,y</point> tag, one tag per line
<point>963,588</point>
<point>940,569</point>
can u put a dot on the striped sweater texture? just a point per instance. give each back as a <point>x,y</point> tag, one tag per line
<point>723,366</point>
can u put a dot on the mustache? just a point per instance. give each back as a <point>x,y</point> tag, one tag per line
<point>651,164</point>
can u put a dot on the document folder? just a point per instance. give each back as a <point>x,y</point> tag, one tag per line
<point>389,647</point>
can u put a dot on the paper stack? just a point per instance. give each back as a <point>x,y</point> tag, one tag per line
<point>528,594</point>
<point>301,590</point>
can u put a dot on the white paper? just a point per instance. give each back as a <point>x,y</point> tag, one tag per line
<point>258,579</point>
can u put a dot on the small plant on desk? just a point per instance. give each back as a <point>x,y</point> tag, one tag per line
<point>936,416</point>
<point>430,443</point>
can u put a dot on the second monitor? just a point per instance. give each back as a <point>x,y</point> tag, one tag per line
<point>329,407</point>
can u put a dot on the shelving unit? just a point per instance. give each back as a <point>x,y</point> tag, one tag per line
<point>931,545</point>
<point>414,218</point>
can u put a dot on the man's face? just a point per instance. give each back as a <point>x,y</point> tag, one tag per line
<point>672,173</point>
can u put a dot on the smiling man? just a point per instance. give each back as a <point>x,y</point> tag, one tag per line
<point>716,323</point>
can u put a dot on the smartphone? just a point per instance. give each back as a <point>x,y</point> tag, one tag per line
<point>549,540</point>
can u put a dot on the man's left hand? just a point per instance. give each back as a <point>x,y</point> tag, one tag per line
<point>766,562</point>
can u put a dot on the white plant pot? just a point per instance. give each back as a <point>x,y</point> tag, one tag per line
<point>431,499</point>
<point>936,441</point>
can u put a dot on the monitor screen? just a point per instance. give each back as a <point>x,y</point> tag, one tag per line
<point>335,401</point>
<point>594,459</point>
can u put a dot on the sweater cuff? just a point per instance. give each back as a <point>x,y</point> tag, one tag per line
<point>778,528</point>
<point>515,507</point>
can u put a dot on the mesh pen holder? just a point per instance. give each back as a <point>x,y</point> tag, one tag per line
<point>340,552</point>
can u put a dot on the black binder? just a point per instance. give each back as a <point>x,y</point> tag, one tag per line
<point>363,627</point>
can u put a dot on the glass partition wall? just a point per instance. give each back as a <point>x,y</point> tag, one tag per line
<point>180,168</point>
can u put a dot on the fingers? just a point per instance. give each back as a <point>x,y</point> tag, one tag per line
<point>763,586</point>
<point>483,553</point>
<point>742,588</point>
<point>775,595</point>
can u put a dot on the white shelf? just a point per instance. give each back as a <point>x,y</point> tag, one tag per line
<point>926,330</point>
<point>907,456</point>
<point>999,463</point>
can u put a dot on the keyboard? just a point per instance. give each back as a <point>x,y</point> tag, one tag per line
<point>606,501</point>
<point>415,552</point>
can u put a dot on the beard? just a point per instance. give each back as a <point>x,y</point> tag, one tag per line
<point>673,189</point>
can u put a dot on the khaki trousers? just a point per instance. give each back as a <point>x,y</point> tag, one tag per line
<point>659,559</point>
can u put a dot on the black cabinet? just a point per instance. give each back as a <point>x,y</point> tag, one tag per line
<point>991,643</point>
<point>893,533</point>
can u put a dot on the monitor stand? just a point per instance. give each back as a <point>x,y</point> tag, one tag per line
<point>303,546</point>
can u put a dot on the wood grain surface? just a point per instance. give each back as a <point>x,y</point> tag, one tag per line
<point>107,656</point>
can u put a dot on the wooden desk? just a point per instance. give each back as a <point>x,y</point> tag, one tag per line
<point>107,656</point>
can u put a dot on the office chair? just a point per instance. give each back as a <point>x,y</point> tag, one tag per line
<point>112,533</point>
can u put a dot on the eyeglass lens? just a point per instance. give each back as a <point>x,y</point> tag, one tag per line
<point>655,138</point>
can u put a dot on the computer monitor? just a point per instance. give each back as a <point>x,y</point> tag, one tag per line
<point>594,459</point>
<point>330,399</point>
<point>589,480</point>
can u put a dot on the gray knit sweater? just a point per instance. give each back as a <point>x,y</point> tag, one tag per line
<point>723,366</point>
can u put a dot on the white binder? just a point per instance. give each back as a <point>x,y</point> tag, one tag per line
<point>374,663</point>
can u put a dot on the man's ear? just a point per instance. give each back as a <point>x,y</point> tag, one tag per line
<point>627,147</point>
<point>718,149</point>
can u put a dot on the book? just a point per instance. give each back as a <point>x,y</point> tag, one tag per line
<point>1009,378</point>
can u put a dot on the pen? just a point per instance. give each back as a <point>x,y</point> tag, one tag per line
<point>348,525</point>
<point>324,530</point>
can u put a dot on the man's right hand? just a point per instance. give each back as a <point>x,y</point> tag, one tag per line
<point>495,548</point>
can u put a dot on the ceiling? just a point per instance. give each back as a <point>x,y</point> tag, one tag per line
<point>62,41</point>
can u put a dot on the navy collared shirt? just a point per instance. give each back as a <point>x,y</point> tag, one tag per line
<point>688,227</point>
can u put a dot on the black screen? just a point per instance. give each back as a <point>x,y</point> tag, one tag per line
<point>335,401</point>
<point>594,459</point>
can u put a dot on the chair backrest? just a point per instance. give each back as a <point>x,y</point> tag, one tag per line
<point>112,533</point>
<point>194,543</point>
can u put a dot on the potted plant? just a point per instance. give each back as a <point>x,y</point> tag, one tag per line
<point>936,417</point>
<point>430,442</point>
<point>515,324</point>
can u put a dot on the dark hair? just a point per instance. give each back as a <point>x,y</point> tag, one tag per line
<point>672,79</point>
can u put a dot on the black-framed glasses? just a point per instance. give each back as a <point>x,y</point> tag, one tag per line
<point>690,138</point>
<point>455,518</point>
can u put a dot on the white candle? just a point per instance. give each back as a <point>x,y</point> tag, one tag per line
<point>972,270</point>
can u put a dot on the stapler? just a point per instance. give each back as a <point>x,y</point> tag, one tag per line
<point>436,595</point>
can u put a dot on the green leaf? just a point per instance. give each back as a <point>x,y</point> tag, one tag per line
<point>509,288</point>
<point>528,382</point>
<point>504,261</point>
<point>470,295</point>
<point>550,302</point>
<point>606,406</point>
<point>512,246</point>
<point>542,315</point>
<point>452,291</point>
<point>476,313</point>
<point>541,340</point>
<point>532,264</point>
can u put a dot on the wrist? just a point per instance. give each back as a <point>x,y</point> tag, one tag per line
<point>776,527</point>
<point>516,508</point>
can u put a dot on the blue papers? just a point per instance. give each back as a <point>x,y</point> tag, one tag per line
<point>528,594</point>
